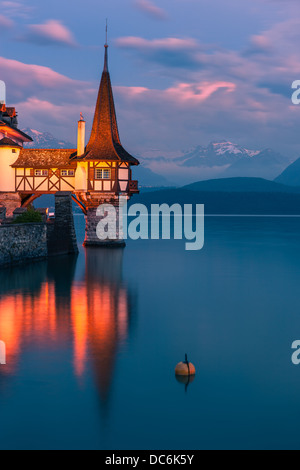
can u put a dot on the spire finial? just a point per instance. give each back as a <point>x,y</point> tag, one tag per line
<point>106,55</point>
<point>106,30</point>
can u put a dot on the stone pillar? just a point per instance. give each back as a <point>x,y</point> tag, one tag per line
<point>61,231</point>
<point>92,220</point>
<point>10,201</point>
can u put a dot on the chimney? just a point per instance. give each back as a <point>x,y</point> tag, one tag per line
<point>81,136</point>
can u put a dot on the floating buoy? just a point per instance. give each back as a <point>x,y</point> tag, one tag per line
<point>185,368</point>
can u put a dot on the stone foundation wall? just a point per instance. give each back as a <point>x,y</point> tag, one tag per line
<point>22,242</point>
<point>33,241</point>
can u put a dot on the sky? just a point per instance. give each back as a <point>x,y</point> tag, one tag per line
<point>185,72</point>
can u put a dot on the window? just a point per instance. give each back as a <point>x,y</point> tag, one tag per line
<point>67,173</point>
<point>102,174</point>
<point>41,173</point>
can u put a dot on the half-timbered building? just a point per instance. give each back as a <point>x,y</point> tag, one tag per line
<point>97,173</point>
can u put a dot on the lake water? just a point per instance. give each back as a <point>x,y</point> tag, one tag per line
<point>92,343</point>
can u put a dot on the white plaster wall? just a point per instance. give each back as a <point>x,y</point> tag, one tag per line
<point>43,187</point>
<point>106,185</point>
<point>123,185</point>
<point>65,186</point>
<point>123,174</point>
<point>27,187</point>
<point>7,173</point>
<point>21,187</point>
<point>81,177</point>
<point>98,186</point>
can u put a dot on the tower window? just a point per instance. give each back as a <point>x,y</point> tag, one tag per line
<point>102,174</point>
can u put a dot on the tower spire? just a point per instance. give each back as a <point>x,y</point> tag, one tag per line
<point>106,48</point>
<point>104,143</point>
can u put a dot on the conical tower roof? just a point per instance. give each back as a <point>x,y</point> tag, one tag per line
<point>104,143</point>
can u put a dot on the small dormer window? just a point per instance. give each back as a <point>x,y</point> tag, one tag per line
<point>67,172</point>
<point>41,173</point>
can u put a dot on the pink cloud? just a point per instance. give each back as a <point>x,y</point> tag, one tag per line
<point>51,32</point>
<point>6,23</point>
<point>156,44</point>
<point>20,75</point>
<point>35,108</point>
<point>151,9</point>
<point>185,92</point>
<point>182,93</point>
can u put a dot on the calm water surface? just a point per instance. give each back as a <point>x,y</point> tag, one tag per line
<point>92,343</point>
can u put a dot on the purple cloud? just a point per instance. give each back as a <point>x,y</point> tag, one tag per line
<point>52,32</point>
<point>170,52</point>
<point>151,9</point>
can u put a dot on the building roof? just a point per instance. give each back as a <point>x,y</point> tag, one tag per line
<point>104,143</point>
<point>6,142</point>
<point>46,158</point>
<point>13,131</point>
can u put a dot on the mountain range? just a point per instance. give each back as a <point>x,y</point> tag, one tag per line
<point>291,175</point>
<point>45,140</point>
<point>222,159</point>
<point>219,160</point>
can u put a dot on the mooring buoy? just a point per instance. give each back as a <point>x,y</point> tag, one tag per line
<point>185,368</point>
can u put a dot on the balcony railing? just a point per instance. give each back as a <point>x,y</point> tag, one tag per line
<point>134,187</point>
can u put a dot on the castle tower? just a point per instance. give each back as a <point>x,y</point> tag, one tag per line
<point>106,164</point>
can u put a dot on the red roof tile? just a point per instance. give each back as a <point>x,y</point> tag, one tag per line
<point>46,158</point>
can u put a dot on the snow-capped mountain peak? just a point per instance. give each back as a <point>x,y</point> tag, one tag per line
<point>45,140</point>
<point>227,147</point>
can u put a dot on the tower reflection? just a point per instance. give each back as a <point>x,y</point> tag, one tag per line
<point>101,314</point>
<point>74,307</point>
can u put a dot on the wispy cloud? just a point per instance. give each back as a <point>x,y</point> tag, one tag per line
<point>46,99</point>
<point>26,80</point>
<point>173,52</point>
<point>6,23</point>
<point>150,9</point>
<point>16,9</point>
<point>52,32</point>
